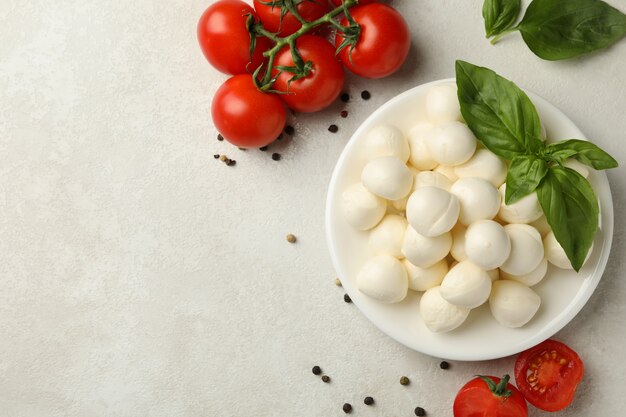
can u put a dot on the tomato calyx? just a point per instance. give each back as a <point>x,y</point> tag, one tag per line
<point>351,33</point>
<point>500,389</point>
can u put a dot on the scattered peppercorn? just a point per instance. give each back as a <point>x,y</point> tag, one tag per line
<point>231,162</point>
<point>333,128</point>
<point>345,97</point>
<point>289,130</point>
<point>220,137</point>
<point>276,156</point>
<point>325,378</point>
<point>419,411</point>
<point>365,95</point>
<point>404,380</point>
<point>347,298</point>
<point>263,148</point>
<point>242,149</point>
<point>444,365</point>
<point>223,158</point>
<point>216,156</point>
<point>344,113</point>
<point>347,408</point>
<point>338,282</point>
<point>368,401</point>
<point>316,370</point>
<point>291,238</point>
<point>280,137</point>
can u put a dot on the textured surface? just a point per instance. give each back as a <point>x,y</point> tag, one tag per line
<point>140,277</point>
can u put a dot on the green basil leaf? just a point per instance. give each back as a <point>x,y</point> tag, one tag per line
<point>583,151</point>
<point>561,29</point>
<point>524,176</point>
<point>500,15</point>
<point>498,112</point>
<point>571,208</point>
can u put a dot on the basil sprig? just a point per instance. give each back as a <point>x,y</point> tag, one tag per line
<point>504,119</point>
<point>557,29</point>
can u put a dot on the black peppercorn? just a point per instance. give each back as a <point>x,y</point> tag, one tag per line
<point>263,148</point>
<point>419,411</point>
<point>444,365</point>
<point>344,113</point>
<point>347,298</point>
<point>345,97</point>
<point>333,128</point>
<point>316,370</point>
<point>365,95</point>
<point>276,156</point>
<point>404,380</point>
<point>325,378</point>
<point>368,401</point>
<point>347,408</point>
<point>220,137</point>
<point>289,130</point>
<point>216,156</point>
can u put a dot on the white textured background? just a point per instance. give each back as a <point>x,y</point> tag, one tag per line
<point>140,277</point>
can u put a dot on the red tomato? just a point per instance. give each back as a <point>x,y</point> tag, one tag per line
<point>489,396</point>
<point>245,116</point>
<point>361,2</point>
<point>224,37</point>
<point>383,45</point>
<point>548,375</point>
<point>309,10</point>
<point>324,82</point>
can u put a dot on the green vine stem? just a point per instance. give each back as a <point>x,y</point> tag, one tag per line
<point>280,42</point>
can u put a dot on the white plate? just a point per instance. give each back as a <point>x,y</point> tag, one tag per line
<point>563,293</point>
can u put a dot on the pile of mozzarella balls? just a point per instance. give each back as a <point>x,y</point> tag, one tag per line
<point>433,203</point>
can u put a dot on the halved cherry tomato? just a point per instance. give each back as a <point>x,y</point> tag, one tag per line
<point>489,396</point>
<point>270,15</point>
<point>245,116</point>
<point>383,44</point>
<point>361,2</point>
<point>323,83</point>
<point>224,38</point>
<point>548,375</point>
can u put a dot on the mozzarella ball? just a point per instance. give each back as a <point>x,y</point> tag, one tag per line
<point>387,237</point>
<point>387,177</point>
<point>386,140</point>
<point>556,254</point>
<point>432,179</point>
<point>420,155</point>
<point>513,304</point>
<point>458,243</point>
<point>451,143</point>
<point>438,314</point>
<point>524,210</point>
<point>384,279</point>
<point>442,104</point>
<point>422,279</point>
<point>425,251</point>
<point>484,164</point>
<point>578,167</point>
<point>542,226</point>
<point>487,244</point>
<point>533,277</point>
<point>362,209</point>
<point>432,211</point>
<point>526,249</point>
<point>494,274</point>
<point>466,285</point>
<point>448,171</point>
<point>478,198</point>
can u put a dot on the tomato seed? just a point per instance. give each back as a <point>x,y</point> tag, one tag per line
<point>419,411</point>
<point>344,113</point>
<point>365,95</point>
<point>333,129</point>
<point>444,365</point>
<point>347,408</point>
<point>316,370</point>
<point>368,401</point>
<point>325,379</point>
<point>347,298</point>
<point>345,97</point>
<point>404,380</point>
<point>276,156</point>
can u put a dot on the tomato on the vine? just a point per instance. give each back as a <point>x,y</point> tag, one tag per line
<point>548,375</point>
<point>245,116</point>
<point>361,2</point>
<point>224,38</point>
<point>270,15</point>
<point>324,81</point>
<point>489,396</point>
<point>383,44</point>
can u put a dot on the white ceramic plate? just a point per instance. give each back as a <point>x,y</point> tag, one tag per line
<point>563,293</point>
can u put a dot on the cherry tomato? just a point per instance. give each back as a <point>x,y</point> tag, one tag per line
<point>361,2</point>
<point>383,45</point>
<point>224,37</point>
<point>489,396</point>
<point>245,116</point>
<point>324,82</point>
<point>548,375</point>
<point>309,10</point>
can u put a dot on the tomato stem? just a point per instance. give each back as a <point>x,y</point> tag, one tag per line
<point>280,42</point>
<point>499,390</point>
